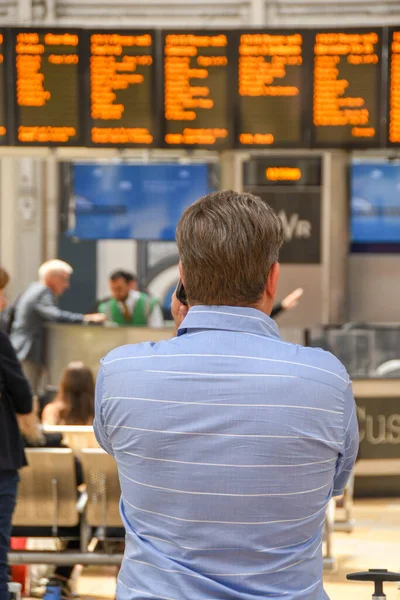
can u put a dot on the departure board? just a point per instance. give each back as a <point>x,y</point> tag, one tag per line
<point>47,91</point>
<point>3,116</point>
<point>196,89</point>
<point>122,95</point>
<point>271,81</point>
<point>347,83</point>
<point>394,86</point>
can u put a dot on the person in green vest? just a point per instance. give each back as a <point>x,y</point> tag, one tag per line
<point>129,306</point>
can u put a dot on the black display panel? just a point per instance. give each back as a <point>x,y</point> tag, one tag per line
<point>122,75</point>
<point>197,89</point>
<point>347,88</point>
<point>47,71</point>
<point>292,186</point>
<point>267,171</point>
<point>4,125</point>
<point>273,77</point>
<point>394,86</point>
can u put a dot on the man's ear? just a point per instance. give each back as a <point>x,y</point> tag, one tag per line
<point>272,280</point>
<point>181,273</point>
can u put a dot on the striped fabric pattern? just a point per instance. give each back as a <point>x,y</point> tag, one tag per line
<point>229,444</point>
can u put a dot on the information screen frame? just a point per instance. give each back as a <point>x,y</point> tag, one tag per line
<point>176,186</point>
<point>157,102</point>
<point>390,32</point>
<point>306,92</point>
<point>80,72</point>
<point>8,89</point>
<point>230,100</point>
<point>362,142</point>
<point>371,245</point>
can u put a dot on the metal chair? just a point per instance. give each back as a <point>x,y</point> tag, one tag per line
<point>48,505</point>
<point>344,508</point>
<point>329,561</point>
<point>103,488</point>
<point>47,495</point>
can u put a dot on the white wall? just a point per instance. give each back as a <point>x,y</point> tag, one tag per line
<point>22,246</point>
<point>201,13</point>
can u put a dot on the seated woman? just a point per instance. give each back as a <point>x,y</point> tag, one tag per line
<point>74,403</point>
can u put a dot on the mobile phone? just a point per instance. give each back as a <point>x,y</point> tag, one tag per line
<point>181,293</point>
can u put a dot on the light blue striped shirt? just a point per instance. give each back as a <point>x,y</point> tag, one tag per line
<point>229,444</point>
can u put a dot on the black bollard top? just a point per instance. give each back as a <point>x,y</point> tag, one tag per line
<point>378,576</point>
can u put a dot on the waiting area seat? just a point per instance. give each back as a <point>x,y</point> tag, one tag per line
<point>47,495</point>
<point>103,489</point>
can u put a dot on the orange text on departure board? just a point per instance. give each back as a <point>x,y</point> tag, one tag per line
<point>331,106</point>
<point>200,136</point>
<point>263,62</point>
<point>112,69</point>
<point>184,100</point>
<point>3,130</point>
<point>31,85</point>
<point>55,135</point>
<point>283,174</point>
<point>394,94</point>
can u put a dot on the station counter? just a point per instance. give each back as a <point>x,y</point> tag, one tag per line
<point>378,410</point>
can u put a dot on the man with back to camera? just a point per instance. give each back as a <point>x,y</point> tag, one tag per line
<point>129,306</point>
<point>229,442</point>
<point>34,308</point>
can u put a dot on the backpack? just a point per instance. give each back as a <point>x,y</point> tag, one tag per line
<point>7,317</point>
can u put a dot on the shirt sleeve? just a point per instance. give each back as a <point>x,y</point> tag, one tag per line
<point>99,425</point>
<point>156,319</point>
<point>48,311</point>
<point>350,444</point>
<point>15,383</point>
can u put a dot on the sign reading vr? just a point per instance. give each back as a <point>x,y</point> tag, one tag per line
<point>300,213</point>
<point>295,227</point>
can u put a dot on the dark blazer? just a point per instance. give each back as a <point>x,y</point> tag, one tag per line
<point>15,398</point>
<point>34,308</point>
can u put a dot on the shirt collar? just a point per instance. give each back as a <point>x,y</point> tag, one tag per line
<point>229,318</point>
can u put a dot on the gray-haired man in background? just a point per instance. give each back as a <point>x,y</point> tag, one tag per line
<point>35,307</point>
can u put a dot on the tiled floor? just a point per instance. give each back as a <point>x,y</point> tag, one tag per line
<point>375,542</point>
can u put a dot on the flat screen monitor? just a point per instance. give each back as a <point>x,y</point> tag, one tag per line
<point>130,201</point>
<point>347,88</point>
<point>394,87</point>
<point>375,206</point>
<point>197,90</point>
<point>48,91</point>
<point>122,88</point>
<point>272,83</point>
<point>4,126</point>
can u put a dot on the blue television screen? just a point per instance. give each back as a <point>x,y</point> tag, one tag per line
<point>141,202</point>
<point>375,205</point>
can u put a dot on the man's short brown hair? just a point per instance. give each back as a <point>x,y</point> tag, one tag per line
<point>227,244</point>
<point>4,278</point>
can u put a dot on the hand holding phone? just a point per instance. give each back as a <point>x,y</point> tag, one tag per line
<point>181,293</point>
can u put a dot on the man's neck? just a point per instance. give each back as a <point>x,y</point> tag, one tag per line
<point>264,307</point>
<point>48,287</point>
